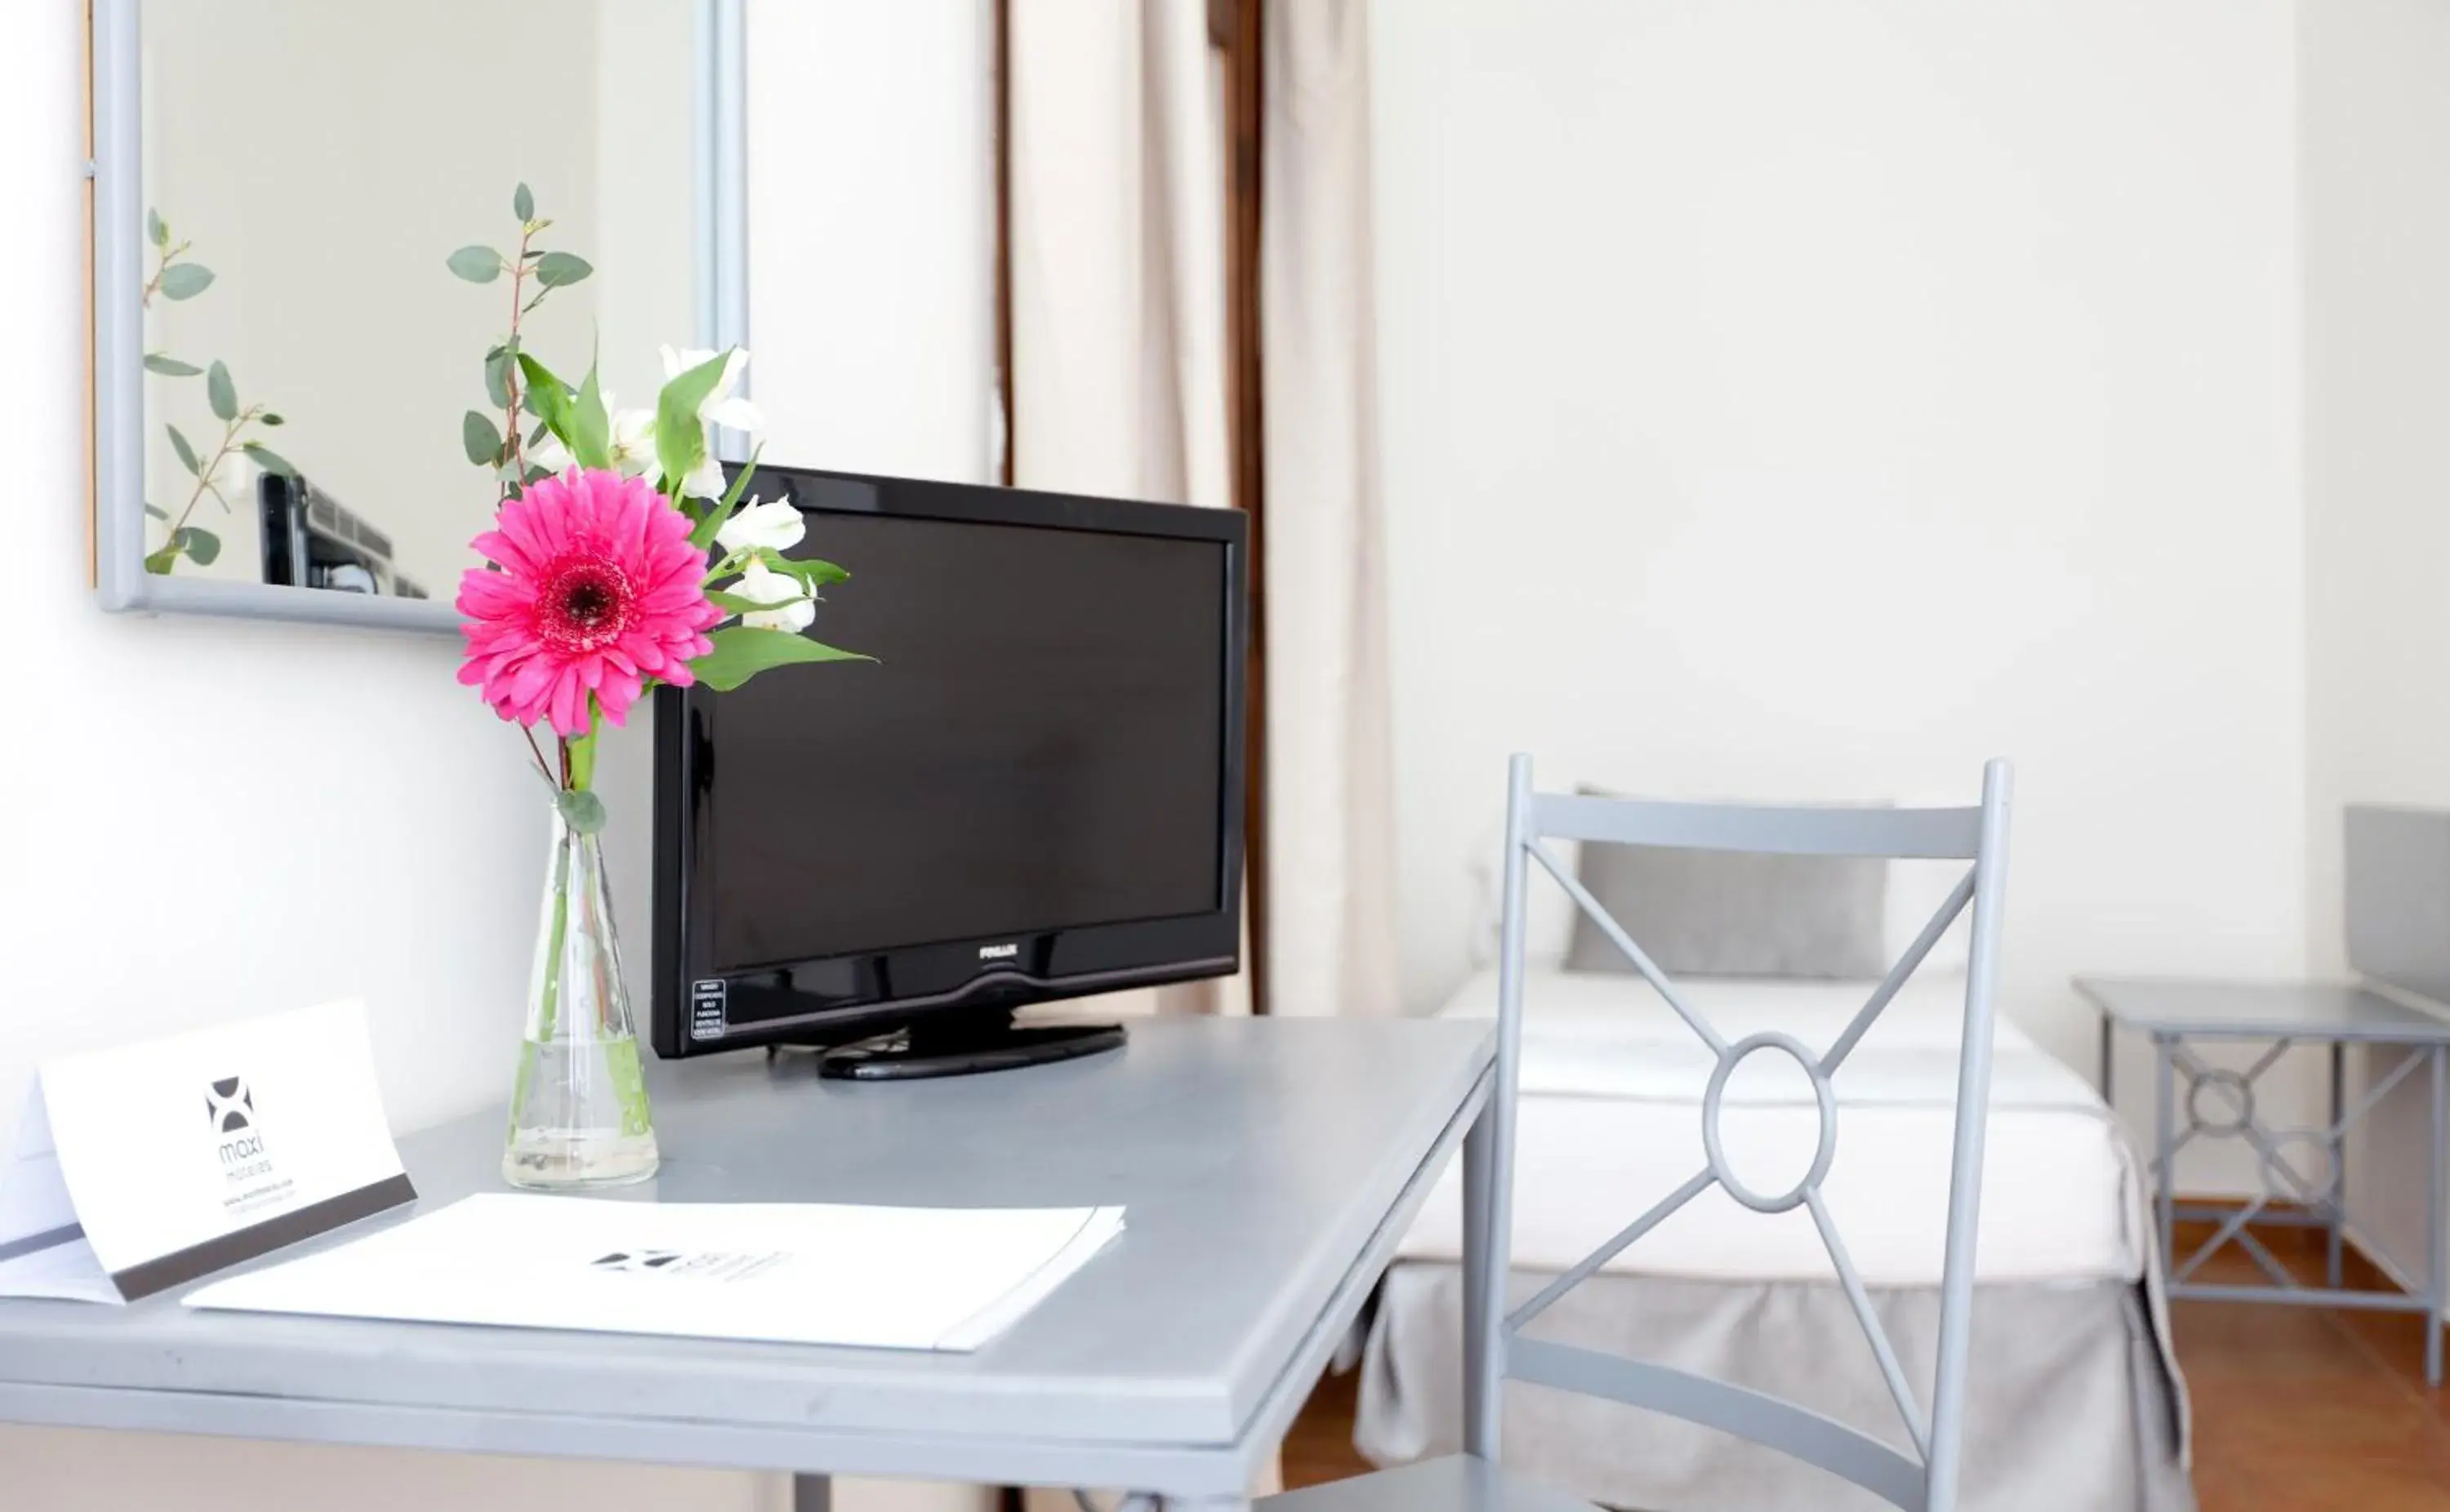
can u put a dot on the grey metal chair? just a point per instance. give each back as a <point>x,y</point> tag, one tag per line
<point>1495,1348</point>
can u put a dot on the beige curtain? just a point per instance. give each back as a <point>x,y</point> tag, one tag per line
<point>1117,250</point>
<point>1330,803</point>
<point>1118,277</point>
<point>1120,387</point>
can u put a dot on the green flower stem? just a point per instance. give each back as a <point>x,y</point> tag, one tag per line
<point>581,759</point>
<point>560,931</point>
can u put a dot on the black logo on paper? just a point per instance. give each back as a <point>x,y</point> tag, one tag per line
<point>637,1260</point>
<point>704,1265</point>
<point>230,1105</point>
<point>238,1144</point>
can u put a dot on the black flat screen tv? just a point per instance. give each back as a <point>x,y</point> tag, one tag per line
<point>1034,793</point>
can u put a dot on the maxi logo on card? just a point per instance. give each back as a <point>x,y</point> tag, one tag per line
<point>247,1165</point>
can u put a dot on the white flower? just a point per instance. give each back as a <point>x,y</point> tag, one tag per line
<point>794,609</point>
<point>633,441</point>
<point>721,406</point>
<point>705,480</point>
<point>548,453</point>
<point>777,526</point>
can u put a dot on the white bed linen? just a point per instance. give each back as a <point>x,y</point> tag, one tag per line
<point>1610,1122</point>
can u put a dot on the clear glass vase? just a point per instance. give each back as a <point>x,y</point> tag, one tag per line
<point>578,1110</point>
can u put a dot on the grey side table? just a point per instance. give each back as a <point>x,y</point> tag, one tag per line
<point>1270,1167</point>
<point>2304,1167</point>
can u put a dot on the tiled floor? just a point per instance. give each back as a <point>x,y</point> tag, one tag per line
<point>2295,1410</point>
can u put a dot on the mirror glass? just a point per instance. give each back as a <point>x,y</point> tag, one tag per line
<point>317,336</point>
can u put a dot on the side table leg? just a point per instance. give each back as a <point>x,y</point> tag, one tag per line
<point>2109,1048</point>
<point>1478,1234</point>
<point>2338,1216</point>
<point>812,1493</point>
<point>2437,1283</point>
<point>2164,1144</point>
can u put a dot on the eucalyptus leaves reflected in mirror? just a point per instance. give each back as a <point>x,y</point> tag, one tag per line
<point>177,275</point>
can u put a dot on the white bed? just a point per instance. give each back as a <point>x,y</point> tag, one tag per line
<point>2075,1400</point>
<point>1610,1122</point>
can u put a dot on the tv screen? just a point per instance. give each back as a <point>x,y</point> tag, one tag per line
<point>1034,791</point>
<point>1037,746</point>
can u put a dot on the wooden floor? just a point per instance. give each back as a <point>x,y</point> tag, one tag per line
<point>2296,1410</point>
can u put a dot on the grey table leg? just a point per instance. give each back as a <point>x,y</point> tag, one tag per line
<point>2108,1044</point>
<point>1479,1198</point>
<point>812,1493</point>
<point>2164,1141</point>
<point>2437,1283</point>
<point>2338,1216</point>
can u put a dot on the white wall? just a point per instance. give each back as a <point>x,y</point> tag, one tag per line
<point>871,231</point>
<point>2376,186</point>
<point>209,819</point>
<point>1809,399</point>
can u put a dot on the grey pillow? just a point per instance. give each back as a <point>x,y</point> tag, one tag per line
<point>1709,913</point>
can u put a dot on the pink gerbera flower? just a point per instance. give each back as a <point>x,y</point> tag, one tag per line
<point>600,589</point>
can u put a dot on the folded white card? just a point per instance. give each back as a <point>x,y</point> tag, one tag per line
<point>148,1166</point>
<point>899,1278</point>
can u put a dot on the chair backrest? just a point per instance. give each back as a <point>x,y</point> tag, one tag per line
<point>1495,1348</point>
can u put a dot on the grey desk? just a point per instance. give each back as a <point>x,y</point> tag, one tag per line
<point>1270,1168</point>
<point>2306,1170</point>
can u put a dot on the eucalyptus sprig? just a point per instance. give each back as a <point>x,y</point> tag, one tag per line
<point>194,542</point>
<point>177,276</point>
<point>500,447</point>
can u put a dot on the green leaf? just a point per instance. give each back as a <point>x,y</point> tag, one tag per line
<point>497,378</point>
<point>170,366</point>
<point>156,229</point>
<point>185,281</point>
<point>740,652</point>
<point>481,437</point>
<point>477,264</point>
<point>188,456</point>
<point>159,563</point>
<point>557,270</point>
<point>221,393</point>
<point>523,204</point>
<point>580,809</point>
<point>810,570</point>
<point>157,512</point>
<point>268,459</point>
<point>589,438</point>
<point>735,604</point>
<point>270,417</point>
<point>200,546</point>
<point>680,437</point>
<point>703,537</point>
<point>535,475</point>
<point>547,398</point>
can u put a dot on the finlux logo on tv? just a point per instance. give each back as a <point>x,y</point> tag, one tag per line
<point>230,1105</point>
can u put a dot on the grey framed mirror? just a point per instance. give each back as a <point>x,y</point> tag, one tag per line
<point>295,340</point>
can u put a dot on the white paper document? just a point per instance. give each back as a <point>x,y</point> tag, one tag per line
<point>147,1165</point>
<point>894,1278</point>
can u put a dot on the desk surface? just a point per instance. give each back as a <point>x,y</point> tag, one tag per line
<point>1268,1167</point>
<point>2310,1010</point>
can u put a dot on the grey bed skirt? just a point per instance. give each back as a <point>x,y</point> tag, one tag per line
<point>2072,1408</point>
